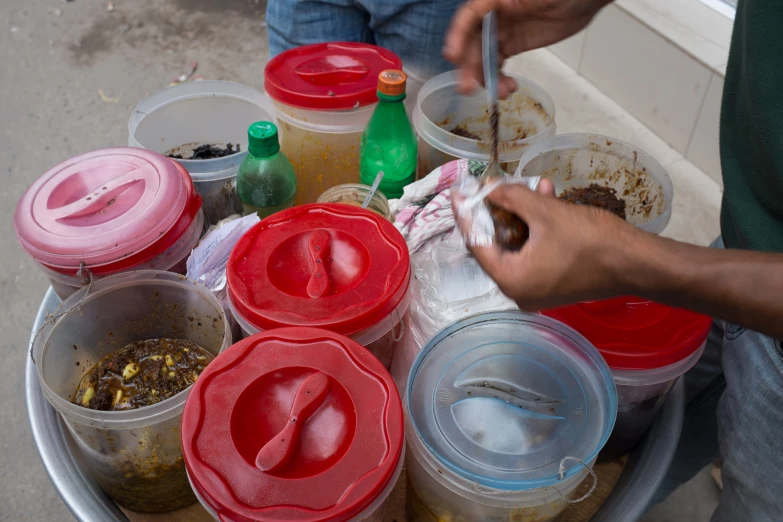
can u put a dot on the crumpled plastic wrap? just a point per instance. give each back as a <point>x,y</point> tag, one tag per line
<point>447,284</point>
<point>479,227</point>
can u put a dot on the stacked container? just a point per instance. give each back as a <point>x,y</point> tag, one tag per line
<point>109,211</point>
<point>648,346</point>
<point>296,424</point>
<point>331,266</point>
<point>504,412</point>
<point>135,455</point>
<point>325,95</point>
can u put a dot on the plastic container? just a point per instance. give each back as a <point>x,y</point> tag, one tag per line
<point>135,455</point>
<point>495,404</point>
<point>578,160</point>
<point>331,266</point>
<point>296,424</point>
<point>354,194</point>
<point>324,95</point>
<point>648,346</point>
<point>525,117</point>
<point>202,112</point>
<point>109,211</point>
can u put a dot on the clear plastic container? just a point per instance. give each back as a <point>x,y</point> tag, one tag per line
<point>135,455</point>
<point>354,194</point>
<point>578,160</point>
<point>172,260</point>
<point>525,117</point>
<point>109,211</point>
<point>202,112</point>
<point>648,346</point>
<point>294,424</point>
<point>324,95</point>
<point>496,404</point>
<point>337,267</point>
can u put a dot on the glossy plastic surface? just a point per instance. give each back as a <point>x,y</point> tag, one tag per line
<point>266,184</point>
<point>310,424</point>
<point>330,76</point>
<point>135,455</point>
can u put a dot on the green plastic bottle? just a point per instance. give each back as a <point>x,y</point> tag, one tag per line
<point>266,182</point>
<point>388,143</point>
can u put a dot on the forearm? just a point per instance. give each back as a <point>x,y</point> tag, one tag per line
<point>738,286</point>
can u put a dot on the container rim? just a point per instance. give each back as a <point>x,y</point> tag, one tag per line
<point>555,326</point>
<point>129,419</point>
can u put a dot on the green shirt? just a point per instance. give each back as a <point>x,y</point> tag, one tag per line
<point>751,129</point>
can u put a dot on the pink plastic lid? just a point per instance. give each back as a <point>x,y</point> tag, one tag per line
<point>104,208</point>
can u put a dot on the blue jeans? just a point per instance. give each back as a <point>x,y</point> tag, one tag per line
<point>735,411</point>
<point>413,29</point>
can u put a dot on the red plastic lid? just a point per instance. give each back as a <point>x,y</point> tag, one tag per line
<point>110,209</point>
<point>296,424</point>
<point>636,334</point>
<point>328,76</point>
<point>331,266</point>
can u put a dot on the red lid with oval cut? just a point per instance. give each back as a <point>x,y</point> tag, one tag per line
<point>331,266</point>
<point>109,209</point>
<point>328,76</point>
<point>295,424</point>
<point>634,333</point>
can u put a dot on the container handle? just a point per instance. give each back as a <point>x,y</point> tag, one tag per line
<point>320,247</point>
<point>561,474</point>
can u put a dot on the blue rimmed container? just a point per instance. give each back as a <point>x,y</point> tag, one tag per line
<point>494,404</point>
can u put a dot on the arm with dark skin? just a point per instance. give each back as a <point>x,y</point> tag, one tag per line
<point>577,253</point>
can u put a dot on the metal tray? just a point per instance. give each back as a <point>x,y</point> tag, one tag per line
<point>643,473</point>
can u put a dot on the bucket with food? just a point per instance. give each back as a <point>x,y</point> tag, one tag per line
<point>452,126</point>
<point>324,95</point>
<point>295,424</point>
<point>648,346</point>
<point>109,211</point>
<point>117,361</point>
<point>595,170</point>
<point>331,266</point>
<point>505,414</point>
<point>202,125</point>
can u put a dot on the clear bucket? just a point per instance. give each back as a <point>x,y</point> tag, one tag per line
<point>173,259</point>
<point>383,339</point>
<point>578,160</point>
<point>525,117</point>
<point>210,111</point>
<point>135,456</point>
<point>323,147</point>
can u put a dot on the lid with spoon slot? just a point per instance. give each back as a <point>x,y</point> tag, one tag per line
<point>501,398</point>
<point>295,424</point>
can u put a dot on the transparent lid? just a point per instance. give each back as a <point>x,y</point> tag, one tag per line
<point>502,398</point>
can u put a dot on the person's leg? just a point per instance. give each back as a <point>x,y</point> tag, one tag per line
<point>414,30</point>
<point>291,23</point>
<point>750,423</point>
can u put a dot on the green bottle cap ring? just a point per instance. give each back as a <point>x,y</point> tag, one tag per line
<point>262,139</point>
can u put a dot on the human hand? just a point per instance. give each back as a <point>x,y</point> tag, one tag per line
<point>523,25</point>
<point>574,253</point>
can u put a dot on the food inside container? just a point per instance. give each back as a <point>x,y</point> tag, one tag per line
<point>331,266</point>
<point>452,126</point>
<point>109,211</point>
<point>648,346</point>
<point>354,194</point>
<point>134,454</point>
<point>141,374</point>
<point>204,126</point>
<point>295,424</point>
<point>595,195</point>
<point>324,95</point>
<point>579,161</point>
<point>497,404</point>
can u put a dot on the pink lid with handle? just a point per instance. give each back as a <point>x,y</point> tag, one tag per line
<point>102,207</point>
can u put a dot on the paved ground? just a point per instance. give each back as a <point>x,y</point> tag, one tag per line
<point>55,56</point>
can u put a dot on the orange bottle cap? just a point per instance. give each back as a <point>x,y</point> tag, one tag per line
<point>392,82</point>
